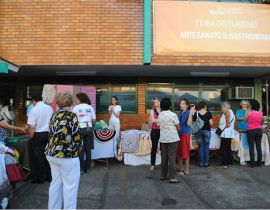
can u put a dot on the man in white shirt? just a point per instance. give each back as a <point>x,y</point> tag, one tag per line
<point>38,122</point>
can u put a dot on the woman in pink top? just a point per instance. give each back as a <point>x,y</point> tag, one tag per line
<point>155,131</point>
<point>254,132</point>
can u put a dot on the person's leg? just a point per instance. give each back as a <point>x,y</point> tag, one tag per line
<point>154,139</point>
<point>229,151</point>
<point>187,148</point>
<point>250,136</point>
<point>33,158</point>
<point>116,127</point>
<point>88,139</point>
<point>201,148</point>
<point>222,151</point>
<point>207,137</point>
<point>258,142</point>
<point>179,155</point>
<point>47,169</point>
<point>70,169</point>
<point>39,157</point>
<point>56,186</point>
<point>171,159</point>
<point>82,153</point>
<point>164,160</point>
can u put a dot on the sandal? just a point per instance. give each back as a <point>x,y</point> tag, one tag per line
<point>174,181</point>
<point>186,173</point>
<point>182,173</point>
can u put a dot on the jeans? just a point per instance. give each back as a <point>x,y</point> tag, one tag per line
<point>226,151</point>
<point>155,134</point>
<point>87,136</point>
<point>255,136</point>
<point>168,154</point>
<point>204,142</point>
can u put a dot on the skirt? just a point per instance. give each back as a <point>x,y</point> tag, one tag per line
<point>183,146</point>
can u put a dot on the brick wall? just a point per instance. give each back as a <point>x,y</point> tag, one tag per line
<point>211,60</point>
<point>71,31</point>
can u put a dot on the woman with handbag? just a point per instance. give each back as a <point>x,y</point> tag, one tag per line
<point>155,131</point>
<point>86,117</point>
<point>204,133</point>
<point>226,133</point>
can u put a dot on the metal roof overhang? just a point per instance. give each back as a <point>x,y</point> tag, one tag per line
<point>11,66</point>
<point>142,71</point>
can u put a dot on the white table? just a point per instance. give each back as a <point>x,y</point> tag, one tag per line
<point>135,160</point>
<point>104,149</point>
<point>243,152</point>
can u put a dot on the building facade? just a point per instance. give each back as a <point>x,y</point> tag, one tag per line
<point>109,44</point>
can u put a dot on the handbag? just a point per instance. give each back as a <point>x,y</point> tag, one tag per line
<point>219,131</point>
<point>15,173</point>
<point>197,125</point>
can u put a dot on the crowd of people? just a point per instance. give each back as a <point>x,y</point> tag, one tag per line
<point>61,142</point>
<point>174,134</point>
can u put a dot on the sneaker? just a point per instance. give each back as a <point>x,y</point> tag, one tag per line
<point>152,168</point>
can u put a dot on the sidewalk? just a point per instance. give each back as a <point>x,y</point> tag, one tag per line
<point>119,186</point>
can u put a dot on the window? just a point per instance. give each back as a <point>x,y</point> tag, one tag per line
<point>157,92</point>
<point>127,96</point>
<point>194,94</point>
<point>191,94</point>
<point>212,96</point>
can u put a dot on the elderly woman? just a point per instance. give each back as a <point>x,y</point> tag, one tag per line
<point>62,152</point>
<point>226,124</point>
<point>242,125</point>
<point>241,116</point>
<point>169,127</point>
<point>254,132</point>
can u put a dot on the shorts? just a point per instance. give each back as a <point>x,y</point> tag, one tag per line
<point>183,146</point>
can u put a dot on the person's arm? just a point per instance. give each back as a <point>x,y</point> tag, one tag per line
<point>228,117</point>
<point>247,116</point>
<point>93,115</point>
<point>31,123</point>
<point>75,133</point>
<point>211,119</point>
<point>177,127</point>
<point>153,120</point>
<point>6,125</point>
<point>190,117</point>
<point>116,113</point>
<point>177,123</point>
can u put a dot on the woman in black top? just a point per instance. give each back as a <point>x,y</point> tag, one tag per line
<point>204,134</point>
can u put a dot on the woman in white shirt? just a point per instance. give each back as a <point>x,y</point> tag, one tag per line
<point>86,117</point>
<point>226,124</point>
<point>114,112</point>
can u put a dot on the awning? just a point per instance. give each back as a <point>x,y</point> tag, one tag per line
<point>6,65</point>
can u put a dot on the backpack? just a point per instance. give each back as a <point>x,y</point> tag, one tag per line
<point>197,125</point>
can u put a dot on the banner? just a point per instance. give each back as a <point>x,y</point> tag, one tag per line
<point>210,27</point>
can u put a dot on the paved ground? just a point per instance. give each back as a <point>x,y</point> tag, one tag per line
<point>118,186</point>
